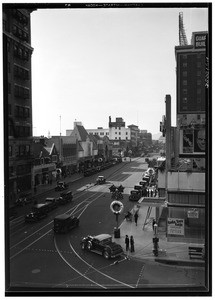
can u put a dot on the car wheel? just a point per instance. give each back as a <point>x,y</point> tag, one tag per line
<point>89,246</point>
<point>106,254</point>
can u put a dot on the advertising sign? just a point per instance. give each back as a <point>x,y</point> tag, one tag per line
<point>193,214</point>
<point>200,41</point>
<point>192,141</point>
<point>175,226</point>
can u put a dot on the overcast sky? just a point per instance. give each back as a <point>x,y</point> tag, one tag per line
<point>89,64</point>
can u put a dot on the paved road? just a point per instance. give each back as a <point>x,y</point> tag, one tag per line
<point>40,259</point>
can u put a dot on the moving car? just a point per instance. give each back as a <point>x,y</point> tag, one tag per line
<point>102,244</point>
<point>100,180</point>
<point>61,185</point>
<point>39,211</point>
<point>51,203</point>
<point>64,223</point>
<point>65,197</point>
<point>134,195</point>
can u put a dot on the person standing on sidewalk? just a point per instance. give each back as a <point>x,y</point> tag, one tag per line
<point>132,243</point>
<point>136,217</point>
<point>127,242</point>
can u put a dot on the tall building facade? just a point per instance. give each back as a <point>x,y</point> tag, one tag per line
<point>184,180</point>
<point>17,53</point>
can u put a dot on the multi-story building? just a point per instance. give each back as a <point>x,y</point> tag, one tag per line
<point>100,131</point>
<point>17,53</point>
<point>184,177</point>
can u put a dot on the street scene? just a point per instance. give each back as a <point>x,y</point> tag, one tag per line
<point>106,129</point>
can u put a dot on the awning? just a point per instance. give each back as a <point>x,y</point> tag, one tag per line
<point>153,201</point>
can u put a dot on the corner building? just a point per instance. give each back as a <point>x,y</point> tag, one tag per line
<point>186,179</point>
<point>17,53</point>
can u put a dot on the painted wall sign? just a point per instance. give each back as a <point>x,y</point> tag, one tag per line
<point>175,226</point>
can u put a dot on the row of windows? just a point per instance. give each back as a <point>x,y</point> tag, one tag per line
<point>22,112</point>
<point>120,133</point>
<point>21,52</point>
<point>20,17</point>
<point>45,160</point>
<point>199,82</point>
<point>20,33</point>
<point>21,72</point>
<point>20,131</point>
<point>21,92</point>
<point>23,150</point>
<point>120,138</point>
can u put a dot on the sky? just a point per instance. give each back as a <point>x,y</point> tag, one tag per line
<point>89,64</point>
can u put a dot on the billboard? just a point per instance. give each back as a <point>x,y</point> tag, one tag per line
<point>192,141</point>
<point>200,40</point>
<point>175,226</point>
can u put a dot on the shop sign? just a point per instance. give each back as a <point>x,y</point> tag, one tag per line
<point>193,214</point>
<point>175,226</point>
<point>200,40</point>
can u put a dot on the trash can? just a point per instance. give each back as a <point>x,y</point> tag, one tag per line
<point>116,233</point>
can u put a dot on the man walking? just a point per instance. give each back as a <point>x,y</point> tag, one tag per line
<point>127,242</point>
<point>136,217</point>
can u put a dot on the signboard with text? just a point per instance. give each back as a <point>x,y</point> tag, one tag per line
<point>200,40</point>
<point>175,226</point>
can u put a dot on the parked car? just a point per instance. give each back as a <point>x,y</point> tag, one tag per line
<point>39,211</point>
<point>138,187</point>
<point>51,203</point>
<point>65,197</point>
<point>102,244</point>
<point>143,183</point>
<point>64,223</point>
<point>100,180</point>
<point>61,185</point>
<point>135,195</point>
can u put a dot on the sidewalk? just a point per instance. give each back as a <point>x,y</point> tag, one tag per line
<point>169,252</point>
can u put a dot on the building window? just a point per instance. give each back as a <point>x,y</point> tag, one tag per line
<point>115,127</point>
<point>115,132</point>
<point>185,74</point>
<point>119,133</point>
<point>101,133</point>
<point>199,82</point>
<point>126,133</point>
<point>184,65</point>
<point>198,100</point>
<point>115,138</point>
<point>199,91</point>
<point>126,138</point>
<point>120,138</point>
<point>184,91</point>
<point>199,64</point>
<point>184,99</point>
<point>199,73</point>
<point>184,82</point>
<point>184,56</point>
<point>119,128</point>
<point>10,151</point>
<point>54,158</point>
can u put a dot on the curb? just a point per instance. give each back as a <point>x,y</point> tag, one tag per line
<point>189,263</point>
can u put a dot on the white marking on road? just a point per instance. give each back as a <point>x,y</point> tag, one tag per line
<point>122,283</point>
<point>140,275</point>
<point>75,269</point>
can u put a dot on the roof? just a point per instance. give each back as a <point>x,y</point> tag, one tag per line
<point>102,236</point>
<point>64,217</point>
<point>82,132</point>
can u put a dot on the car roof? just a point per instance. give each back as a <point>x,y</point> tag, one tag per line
<point>64,217</point>
<point>102,236</point>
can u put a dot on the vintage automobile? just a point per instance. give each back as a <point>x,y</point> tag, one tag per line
<point>64,223</point>
<point>138,187</point>
<point>61,186</point>
<point>39,211</point>
<point>135,195</point>
<point>100,180</point>
<point>143,183</point>
<point>102,244</point>
<point>51,203</point>
<point>65,197</point>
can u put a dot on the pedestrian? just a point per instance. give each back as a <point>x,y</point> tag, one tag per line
<point>136,217</point>
<point>127,242</point>
<point>151,193</point>
<point>132,243</point>
<point>153,224</point>
<point>147,192</point>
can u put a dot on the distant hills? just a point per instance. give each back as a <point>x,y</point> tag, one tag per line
<point>156,136</point>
